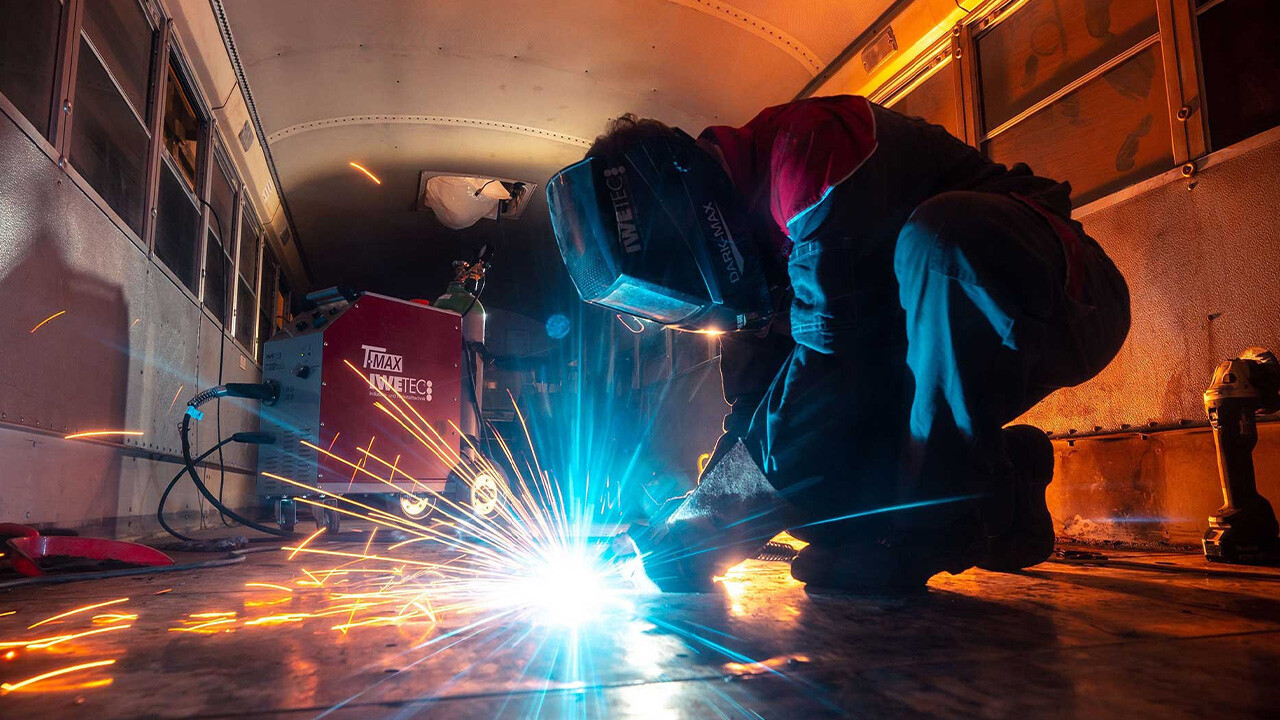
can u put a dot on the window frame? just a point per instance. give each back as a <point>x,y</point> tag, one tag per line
<point>1008,11</point>
<point>57,144</point>
<point>1176,33</point>
<point>1192,57</point>
<point>941,56</point>
<point>181,68</point>
<point>139,115</point>
<point>246,214</point>
<point>51,133</point>
<point>69,119</point>
<point>213,156</point>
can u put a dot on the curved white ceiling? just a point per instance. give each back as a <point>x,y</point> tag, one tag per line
<point>503,88</point>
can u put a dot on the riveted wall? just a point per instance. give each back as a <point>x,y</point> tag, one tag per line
<point>1203,267</point>
<point>126,353</point>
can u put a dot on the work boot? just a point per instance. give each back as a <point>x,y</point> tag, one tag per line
<point>892,566</point>
<point>1028,539</point>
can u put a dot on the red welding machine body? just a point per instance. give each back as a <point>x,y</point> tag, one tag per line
<point>338,373</point>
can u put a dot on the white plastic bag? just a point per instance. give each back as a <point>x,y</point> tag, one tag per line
<point>460,201</point>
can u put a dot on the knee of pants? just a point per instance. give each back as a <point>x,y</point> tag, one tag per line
<point>936,235</point>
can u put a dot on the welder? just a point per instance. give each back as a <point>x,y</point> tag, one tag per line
<point>889,299</point>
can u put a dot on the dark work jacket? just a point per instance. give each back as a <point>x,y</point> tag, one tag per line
<point>841,175</point>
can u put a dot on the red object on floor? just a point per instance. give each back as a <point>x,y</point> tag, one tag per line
<point>28,547</point>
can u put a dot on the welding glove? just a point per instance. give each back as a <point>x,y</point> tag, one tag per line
<point>732,513</point>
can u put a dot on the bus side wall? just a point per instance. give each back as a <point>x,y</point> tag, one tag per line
<point>1203,267</point>
<point>128,350</point>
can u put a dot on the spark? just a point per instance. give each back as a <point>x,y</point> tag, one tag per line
<point>270,585</point>
<point>7,612</point>
<point>42,322</point>
<point>306,542</point>
<point>365,170</point>
<point>108,618</point>
<point>10,687</point>
<point>520,562</point>
<point>174,401</point>
<point>100,433</point>
<point>50,642</point>
<point>78,610</point>
<point>202,626</point>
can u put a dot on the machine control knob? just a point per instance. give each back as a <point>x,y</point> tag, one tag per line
<point>302,371</point>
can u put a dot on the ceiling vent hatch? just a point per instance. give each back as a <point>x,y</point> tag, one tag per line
<point>460,201</point>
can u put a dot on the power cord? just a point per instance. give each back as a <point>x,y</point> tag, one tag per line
<point>222,350</point>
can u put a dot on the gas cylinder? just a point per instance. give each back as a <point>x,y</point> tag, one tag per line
<point>459,298</point>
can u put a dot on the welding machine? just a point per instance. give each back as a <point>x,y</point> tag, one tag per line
<point>337,366</point>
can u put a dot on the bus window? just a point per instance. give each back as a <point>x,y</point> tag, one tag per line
<point>218,266</point>
<point>28,54</point>
<point>934,99</point>
<point>177,241</point>
<point>181,127</point>
<point>1121,117</point>
<point>246,280</point>
<point>1240,53</point>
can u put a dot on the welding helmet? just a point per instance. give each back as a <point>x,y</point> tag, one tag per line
<point>659,233</point>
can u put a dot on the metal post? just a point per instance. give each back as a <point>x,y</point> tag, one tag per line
<point>155,122</point>
<point>59,120</point>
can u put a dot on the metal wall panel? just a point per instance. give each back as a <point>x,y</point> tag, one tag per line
<point>163,353</point>
<point>125,348</point>
<point>1203,267</point>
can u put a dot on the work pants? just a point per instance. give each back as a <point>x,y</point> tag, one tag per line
<point>888,410</point>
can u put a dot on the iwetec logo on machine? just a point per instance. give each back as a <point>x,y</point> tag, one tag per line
<point>386,373</point>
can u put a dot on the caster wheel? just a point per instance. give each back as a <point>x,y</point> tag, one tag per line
<point>417,507</point>
<point>485,495</point>
<point>329,520</point>
<point>286,514</point>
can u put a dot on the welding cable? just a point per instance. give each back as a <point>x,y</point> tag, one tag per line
<point>258,391</point>
<point>165,495</point>
<point>208,494</point>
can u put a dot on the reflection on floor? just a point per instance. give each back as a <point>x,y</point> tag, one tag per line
<point>1147,635</point>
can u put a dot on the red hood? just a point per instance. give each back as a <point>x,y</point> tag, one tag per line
<point>787,158</point>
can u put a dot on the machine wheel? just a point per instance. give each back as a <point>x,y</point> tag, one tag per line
<point>485,495</point>
<point>417,507</point>
<point>286,514</point>
<point>328,519</point>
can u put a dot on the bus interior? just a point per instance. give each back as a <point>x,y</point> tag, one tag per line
<point>302,415</point>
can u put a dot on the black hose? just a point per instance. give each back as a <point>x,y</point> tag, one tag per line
<point>208,494</point>
<point>165,495</point>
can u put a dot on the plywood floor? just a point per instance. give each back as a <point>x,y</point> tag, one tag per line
<point>1162,636</point>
